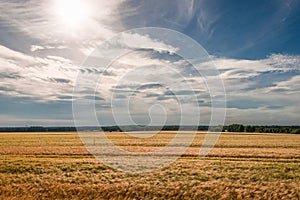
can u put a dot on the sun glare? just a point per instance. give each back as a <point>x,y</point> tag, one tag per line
<point>71,12</point>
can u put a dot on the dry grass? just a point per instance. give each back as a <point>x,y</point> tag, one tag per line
<point>242,166</point>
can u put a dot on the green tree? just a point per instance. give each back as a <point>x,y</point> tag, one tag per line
<point>236,128</point>
<point>295,131</point>
<point>250,128</point>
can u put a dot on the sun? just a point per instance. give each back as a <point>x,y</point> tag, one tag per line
<point>71,13</point>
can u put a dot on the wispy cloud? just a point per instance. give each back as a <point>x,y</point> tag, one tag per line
<point>20,74</point>
<point>267,87</point>
<point>38,19</point>
<point>41,56</point>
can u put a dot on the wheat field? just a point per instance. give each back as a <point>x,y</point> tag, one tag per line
<point>241,166</point>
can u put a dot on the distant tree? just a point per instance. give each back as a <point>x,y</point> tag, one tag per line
<point>219,128</point>
<point>295,131</point>
<point>250,128</point>
<point>236,128</point>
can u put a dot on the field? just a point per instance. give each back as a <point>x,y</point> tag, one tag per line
<point>241,166</point>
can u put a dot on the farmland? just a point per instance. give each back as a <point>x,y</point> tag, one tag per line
<point>55,165</point>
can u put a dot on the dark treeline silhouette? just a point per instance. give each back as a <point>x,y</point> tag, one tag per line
<point>37,129</point>
<point>262,129</point>
<point>97,128</point>
<point>128,128</point>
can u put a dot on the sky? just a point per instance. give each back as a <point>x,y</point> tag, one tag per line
<point>52,55</point>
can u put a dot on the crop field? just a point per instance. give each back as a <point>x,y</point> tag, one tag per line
<point>241,166</point>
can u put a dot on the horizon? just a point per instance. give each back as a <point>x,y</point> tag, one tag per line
<point>134,125</point>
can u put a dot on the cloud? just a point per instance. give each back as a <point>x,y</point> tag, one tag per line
<point>97,98</point>
<point>59,59</point>
<point>163,98</point>
<point>36,48</point>
<point>274,107</point>
<point>11,55</point>
<point>10,75</point>
<point>250,84</point>
<point>34,28</point>
<point>283,62</point>
<point>239,73</point>
<point>159,13</point>
<point>120,96</point>
<point>65,97</point>
<point>245,75</point>
<point>39,20</point>
<point>150,86</point>
<point>32,76</point>
<point>259,89</point>
<point>41,71</point>
<point>151,95</point>
<point>5,89</point>
<point>171,83</point>
<point>60,80</point>
<point>289,86</point>
<point>139,41</point>
<point>182,93</point>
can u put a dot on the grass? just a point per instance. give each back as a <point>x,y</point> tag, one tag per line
<point>241,166</point>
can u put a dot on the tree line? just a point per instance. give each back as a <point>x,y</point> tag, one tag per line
<point>229,128</point>
<point>262,129</point>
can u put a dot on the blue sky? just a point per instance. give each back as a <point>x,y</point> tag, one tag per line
<point>44,45</point>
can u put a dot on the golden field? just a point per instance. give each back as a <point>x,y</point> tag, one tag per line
<point>241,166</point>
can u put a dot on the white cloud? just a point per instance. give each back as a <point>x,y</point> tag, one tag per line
<point>136,41</point>
<point>36,48</point>
<point>283,62</point>
<point>33,75</point>
<point>48,76</point>
<point>273,62</point>
<point>37,19</point>
<point>10,55</point>
<point>290,86</point>
<point>60,59</point>
<point>262,76</point>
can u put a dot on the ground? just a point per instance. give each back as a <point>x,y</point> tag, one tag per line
<point>241,166</point>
